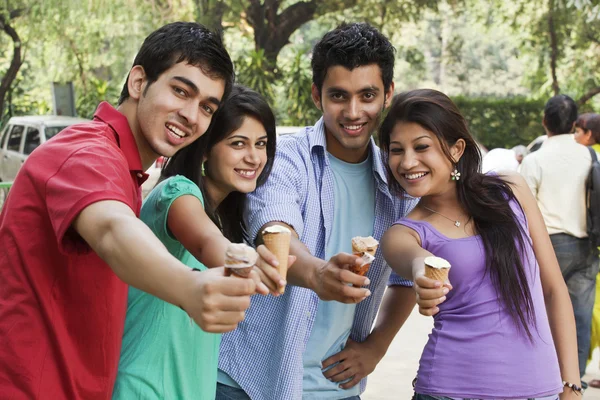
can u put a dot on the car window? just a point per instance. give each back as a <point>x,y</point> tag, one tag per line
<point>5,136</point>
<point>32,140</point>
<point>14,139</point>
<point>50,131</point>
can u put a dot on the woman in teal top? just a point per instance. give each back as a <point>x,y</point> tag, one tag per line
<point>196,210</point>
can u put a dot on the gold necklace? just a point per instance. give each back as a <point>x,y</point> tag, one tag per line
<point>455,221</point>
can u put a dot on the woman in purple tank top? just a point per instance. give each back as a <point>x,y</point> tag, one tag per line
<point>503,323</point>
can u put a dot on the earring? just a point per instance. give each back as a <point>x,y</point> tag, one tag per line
<point>203,170</point>
<point>455,175</point>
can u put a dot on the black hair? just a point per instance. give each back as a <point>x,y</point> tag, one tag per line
<point>183,42</point>
<point>560,114</point>
<point>485,197</point>
<point>590,122</point>
<point>351,46</point>
<point>241,103</point>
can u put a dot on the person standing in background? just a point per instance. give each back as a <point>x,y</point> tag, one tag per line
<point>556,175</point>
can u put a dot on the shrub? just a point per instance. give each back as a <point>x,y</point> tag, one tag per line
<point>503,122</point>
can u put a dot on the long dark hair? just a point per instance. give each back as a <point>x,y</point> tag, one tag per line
<point>242,103</point>
<point>485,197</point>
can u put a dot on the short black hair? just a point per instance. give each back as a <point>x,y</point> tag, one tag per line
<point>560,114</point>
<point>351,46</point>
<point>183,42</point>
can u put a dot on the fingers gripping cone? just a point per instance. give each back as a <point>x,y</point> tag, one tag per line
<point>277,239</point>
<point>437,268</point>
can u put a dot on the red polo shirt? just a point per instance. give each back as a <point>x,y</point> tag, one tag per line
<point>62,308</point>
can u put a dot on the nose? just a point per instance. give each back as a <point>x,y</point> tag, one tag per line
<point>353,109</point>
<point>189,113</point>
<point>409,160</point>
<point>252,156</point>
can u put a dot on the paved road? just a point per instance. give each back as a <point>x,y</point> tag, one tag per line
<point>394,374</point>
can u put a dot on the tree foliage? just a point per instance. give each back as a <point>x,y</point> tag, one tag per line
<point>493,54</point>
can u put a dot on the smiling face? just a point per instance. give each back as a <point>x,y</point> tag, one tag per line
<point>352,102</point>
<point>418,162</point>
<point>236,162</point>
<point>174,110</point>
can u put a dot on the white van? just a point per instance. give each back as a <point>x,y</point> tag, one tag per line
<point>22,135</point>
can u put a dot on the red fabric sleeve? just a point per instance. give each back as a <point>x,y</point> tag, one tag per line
<point>89,175</point>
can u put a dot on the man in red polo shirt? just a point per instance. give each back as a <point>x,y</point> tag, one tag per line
<point>70,239</point>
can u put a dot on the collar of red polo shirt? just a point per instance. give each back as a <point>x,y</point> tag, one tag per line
<point>119,124</point>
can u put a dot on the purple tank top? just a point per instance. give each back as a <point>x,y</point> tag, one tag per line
<point>475,350</point>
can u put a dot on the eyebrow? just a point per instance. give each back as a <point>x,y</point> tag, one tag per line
<point>414,140</point>
<point>195,89</point>
<point>362,90</point>
<point>245,137</point>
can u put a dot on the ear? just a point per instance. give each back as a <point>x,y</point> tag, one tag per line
<point>389,95</point>
<point>316,97</point>
<point>457,150</point>
<point>136,82</point>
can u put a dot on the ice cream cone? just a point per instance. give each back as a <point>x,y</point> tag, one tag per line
<point>437,268</point>
<point>239,259</point>
<point>277,239</point>
<point>364,244</point>
<point>365,248</point>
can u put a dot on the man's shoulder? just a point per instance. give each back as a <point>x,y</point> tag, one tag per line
<point>295,148</point>
<point>88,142</point>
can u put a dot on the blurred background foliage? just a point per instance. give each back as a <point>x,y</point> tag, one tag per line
<point>499,60</point>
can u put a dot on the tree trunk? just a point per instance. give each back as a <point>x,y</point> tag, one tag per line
<point>553,47</point>
<point>15,63</point>
<point>272,30</point>
<point>590,93</point>
<point>210,13</point>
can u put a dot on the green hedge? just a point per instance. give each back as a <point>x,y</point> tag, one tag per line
<point>503,122</point>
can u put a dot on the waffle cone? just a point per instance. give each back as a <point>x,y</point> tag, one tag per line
<point>438,274</point>
<point>360,270</point>
<point>279,245</point>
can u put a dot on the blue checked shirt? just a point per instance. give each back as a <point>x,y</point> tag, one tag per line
<point>264,354</point>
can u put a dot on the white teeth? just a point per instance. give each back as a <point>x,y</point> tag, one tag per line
<point>246,172</point>
<point>353,127</point>
<point>176,130</point>
<point>415,176</point>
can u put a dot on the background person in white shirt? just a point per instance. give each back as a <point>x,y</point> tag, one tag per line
<point>502,160</point>
<point>556,174</point>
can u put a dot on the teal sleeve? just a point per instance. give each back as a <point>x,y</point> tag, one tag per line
<point>155,210</point>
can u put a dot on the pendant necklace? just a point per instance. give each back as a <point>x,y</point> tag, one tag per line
<point>455,221</point>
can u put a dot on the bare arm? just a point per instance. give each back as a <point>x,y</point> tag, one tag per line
<point>556,295</point>
<point>398,302</point>
<point>137,257</point>
<point>192,227</point>
<point>326,278</point>
<point>402,251</point>
<point>358,360</point>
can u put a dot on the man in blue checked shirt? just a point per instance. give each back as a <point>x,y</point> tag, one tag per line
<point>328,185</point>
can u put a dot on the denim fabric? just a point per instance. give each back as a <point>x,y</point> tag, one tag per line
<point>578,262</point>
<point>225,392</point>
<point>418,396</point>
